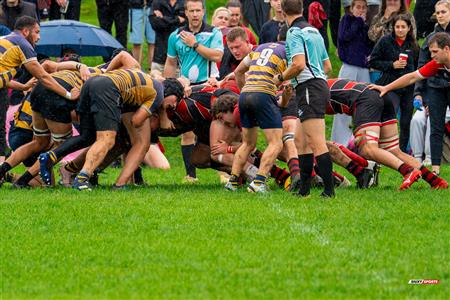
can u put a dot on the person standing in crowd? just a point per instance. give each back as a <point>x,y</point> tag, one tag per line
<point>236,19</point>
<point>139,19</point>
<point>270,29</point>
<point>316,13</point>
<point>114,11</point>
<point>165,18</point>
<point>373,8</point>
<point>435,89</point>
<point>11,10</point>
<point>354,48</point>
<point>65,9</point>
<point>255,13</point>
<point>308,62</point>
<point>395,55</point>
<point>197,47</point>
<point>423,14</point>
<point>221,20</point>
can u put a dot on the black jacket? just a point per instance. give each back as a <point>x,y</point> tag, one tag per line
<point>385,52</point>
<point>424,57</point>
<point>165,26</point>
<point>9,15</point>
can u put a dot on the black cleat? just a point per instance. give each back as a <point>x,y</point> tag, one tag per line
<point>364,179</point>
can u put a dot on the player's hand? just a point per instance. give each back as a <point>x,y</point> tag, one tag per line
<point>158,13</point>
<point>188,38</point>
<point>30,84</point>
<point>288,92</point>
<point>166,124</point>
<point>379,88</point>
<point>219,148</point>
<point>212,81</point>
<point>399,64</point>
<point>75,94</point>
<point>276,81</point>
<point>84,72</point>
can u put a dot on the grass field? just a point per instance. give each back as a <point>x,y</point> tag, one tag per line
<point>176,241</point>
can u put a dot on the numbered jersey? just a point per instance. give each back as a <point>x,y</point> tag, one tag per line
<point>266,61</point>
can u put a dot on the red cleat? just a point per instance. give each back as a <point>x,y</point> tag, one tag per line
<point>441,185</point>
<point>409,179</point>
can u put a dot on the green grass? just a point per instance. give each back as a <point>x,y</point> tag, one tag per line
<point>199,242</point>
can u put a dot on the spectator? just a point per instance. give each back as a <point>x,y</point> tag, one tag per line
<point>197,47</point>
<point>354,48</point>
<point>236,19</point>
<point>420,136</point>
<point>65,9</point>
<point>4,30</point>
<point>373,8</point>
<point>334,18</point>
<point>221,20</point>
<point>435,89</point>
<point>382,22</point>
<point>316,12</point>
<point>395,55</point>
<point>114,11</point>
<point>255,12</point>
<point>166,17</point>
<point>11,10</point>
<point>139,19</point>
<point>270,29</point>
<point>237,48</point>
<point>423,13</point>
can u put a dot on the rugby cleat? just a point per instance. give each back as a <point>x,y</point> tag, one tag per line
<point>409,179</point>
<point>294,184</point>
<point>46,168</point>
<point>440,185</point>
<point>257,188</point>
<point>365,178</point>
<point>81,183</point>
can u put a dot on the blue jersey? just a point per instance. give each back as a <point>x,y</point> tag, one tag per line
<point>266,61</point>
<point>193,65</point>
<point>303,39</point>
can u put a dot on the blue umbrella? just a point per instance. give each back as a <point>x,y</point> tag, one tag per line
<point>85,39</point>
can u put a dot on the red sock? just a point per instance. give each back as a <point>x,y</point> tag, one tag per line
<point>354,168</point>
<point>353,156</point>
<point>429,176</point>
<point>405,169</point>
<point>338,176</point>
<point>279,174</point>
<point>294,168</point>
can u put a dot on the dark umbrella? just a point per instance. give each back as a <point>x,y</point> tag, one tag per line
<point>85,39</point>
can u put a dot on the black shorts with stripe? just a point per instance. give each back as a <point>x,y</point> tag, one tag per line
<point>312,97</point>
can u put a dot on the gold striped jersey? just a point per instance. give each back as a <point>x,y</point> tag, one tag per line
<point>135,87</point>
<point>266,61</point>
<point>23,116</point>
<point>73,78</point>
<point>15,50</point>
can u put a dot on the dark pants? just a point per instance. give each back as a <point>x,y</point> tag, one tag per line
<point>403,101</point>
<point>438,101</point>
<point>73,11</point>
<point>117,13</point>
<point>334,18</point>
<point>3,109</point>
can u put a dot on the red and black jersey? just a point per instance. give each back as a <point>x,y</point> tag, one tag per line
<point>344,93</point>
<point>432,68</point>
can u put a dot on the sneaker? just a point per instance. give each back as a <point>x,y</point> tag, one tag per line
<point>441,185</point>
<point>365,178</point>
<point>427,162</point>
<point>294,185</point>
<point>46,166</point>
<point>81,183</point>
<point>409,179</point>
<point>257,188</point>
<point>231,187</point>
<point>189,180</point>
<point>66,176</point>
<point>316,182</point>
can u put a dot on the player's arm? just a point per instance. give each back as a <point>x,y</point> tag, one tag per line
<point>401,82</point>
<point>297,66</point>
<point>139,117</point>
<point>15,85</point>
<point>123,60</point>
<point>239,72</point>
<point>48,81</point>
<point>327,68</point>
<point>52,67</point>
<point>170,68</point>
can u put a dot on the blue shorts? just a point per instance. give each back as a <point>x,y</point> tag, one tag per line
<point>139,20</point>
<point>259,109</point>
<point>18,137</point>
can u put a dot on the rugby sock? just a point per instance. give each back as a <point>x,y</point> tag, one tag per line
<point>293,167</point>
<point>186,151</point>
<point>24,179</point>
<point>306,164</point>
<point>72,167</point>
<point>326,172</point>
<point>234,180</point>
<point>429,176</point>
<point>138,178</point>
<point>353,156</point>
<point>354,168</point>
<point>279,174</point>
<point>258,154</point>
<point>5,167</point>
<point>53,157</point>
<point>338,176</point>
<point>405,169</point>
<point>259,179</point>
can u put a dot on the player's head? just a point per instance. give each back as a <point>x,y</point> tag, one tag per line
<point>223,108</point>
<point>237,42</point>
<point>439,46</point>
<point>292,7</point>
<point>173,92</point>
<point>70,55</point>
<point>194,11</point>
<point>29,28</point>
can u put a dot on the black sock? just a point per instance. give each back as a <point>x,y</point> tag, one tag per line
<point>326,172</point>
<point>24,179</point>
<point>138,179</point>
<point>306,163</point>
<point>258,154</point>
<point>5,167</point>
<point>186,151</point>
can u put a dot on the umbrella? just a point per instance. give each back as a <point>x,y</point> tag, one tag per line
<point>85,39</point>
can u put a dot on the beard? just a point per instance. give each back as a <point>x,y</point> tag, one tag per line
<point>29,38</point>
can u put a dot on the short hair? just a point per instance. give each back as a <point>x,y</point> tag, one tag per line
<point>236,32</point>
<point>197,1</point>
<point>354,2</point>
<point>225,103</point>
<point>25,22</point>
<point>292,7</point>
<point>233,3</point>
<point>282,32</point>
<point>442,40</point>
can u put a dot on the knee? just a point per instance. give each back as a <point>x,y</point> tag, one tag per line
<point>368,151</point>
